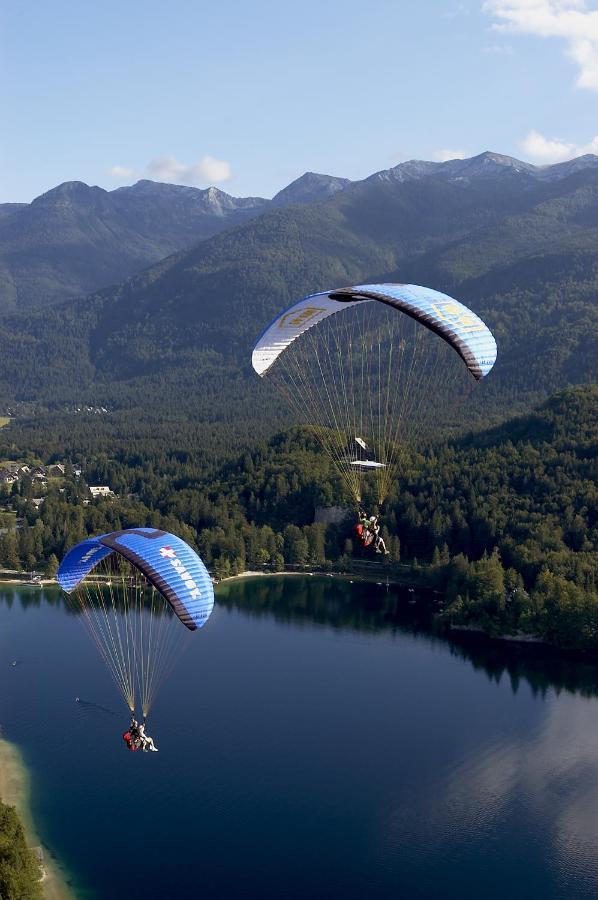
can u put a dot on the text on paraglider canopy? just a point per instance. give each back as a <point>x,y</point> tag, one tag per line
<point>296,319</point>
<point>451,312</point>
<point>178,566</point>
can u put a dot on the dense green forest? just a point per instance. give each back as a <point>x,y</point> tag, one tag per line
<point>503,521</point>
<point>148,387</point>
<point>19,870</point>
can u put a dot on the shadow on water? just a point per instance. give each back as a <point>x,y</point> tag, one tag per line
<point>365,607</point>
<point>87,706</point>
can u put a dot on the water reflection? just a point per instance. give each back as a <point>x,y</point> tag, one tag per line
<point>32,597</point>
<point>320,739</point>
<point>376,607</point>
<point>535,790</point>
<point>335,602</point>
<point>370,607</point>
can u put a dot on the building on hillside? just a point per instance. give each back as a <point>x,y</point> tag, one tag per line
<point>77,471</point>
<point>101,491</point>
<point>8,477</point>
<point>38,470</point>
<point>23,470</point>
<point>37,501</point>
<point>56,470</point>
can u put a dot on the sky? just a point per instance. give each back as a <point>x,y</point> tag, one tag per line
<point>248,96</point>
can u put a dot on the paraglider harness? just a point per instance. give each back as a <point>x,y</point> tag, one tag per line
<point>131,742</point>
<point>368,530</point>
<point>134,738</point>
<point>364,535</point>
<point>131,737</point>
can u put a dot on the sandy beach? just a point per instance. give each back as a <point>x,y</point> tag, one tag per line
<point>15,791</point>
<point>9,576</point>
<point>377,578</point>
<point>259,574</point>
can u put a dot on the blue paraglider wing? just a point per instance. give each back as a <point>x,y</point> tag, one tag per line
<point>455,323</point>
<point>79,562</point>
<point>174,569</point>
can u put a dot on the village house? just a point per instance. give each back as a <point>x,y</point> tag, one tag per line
<point>56,470</point>
<point>8,477</point>
<point>101,491</point>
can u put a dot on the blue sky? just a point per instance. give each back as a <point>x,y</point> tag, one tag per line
<point>249,96</point>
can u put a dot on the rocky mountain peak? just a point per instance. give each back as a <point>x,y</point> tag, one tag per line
<point>309,188</point>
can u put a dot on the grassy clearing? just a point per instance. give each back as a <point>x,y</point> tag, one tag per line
<point>4,420</point>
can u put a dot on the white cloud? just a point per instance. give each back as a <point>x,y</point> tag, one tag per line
<point>208,170</point>
<point>570,20</point>
<point>121,172</point>
<point>553,150</point>
<point>445,155</point>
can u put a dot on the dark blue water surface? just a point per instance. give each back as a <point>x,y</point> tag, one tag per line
<point>316,740</point>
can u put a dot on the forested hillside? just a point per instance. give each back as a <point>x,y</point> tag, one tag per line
<point>505,521</point>
<point>518,249</point>
<point>75,238</point>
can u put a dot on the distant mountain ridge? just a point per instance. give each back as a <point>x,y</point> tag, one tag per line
<point>519,250</point>
<point>76,239</point>
<point>485,165</point>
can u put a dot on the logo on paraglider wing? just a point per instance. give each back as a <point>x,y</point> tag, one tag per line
<point>170,554</point>
<point>459,315</point>
<point>301,317</point>
<point>87,556</point>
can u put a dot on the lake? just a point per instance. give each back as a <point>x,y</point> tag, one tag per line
<point>316,739</point>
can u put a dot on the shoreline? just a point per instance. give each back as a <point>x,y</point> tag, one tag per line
<point>258,574</point>
<point>350,576</point>
<point>364,577</point>
<point>24,582</point>
<point>15,790</point>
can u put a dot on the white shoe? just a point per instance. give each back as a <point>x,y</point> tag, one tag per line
<point>154,749</point>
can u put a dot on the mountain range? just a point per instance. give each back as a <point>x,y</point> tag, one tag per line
<point>76,239</point>
<point>515,242</point>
